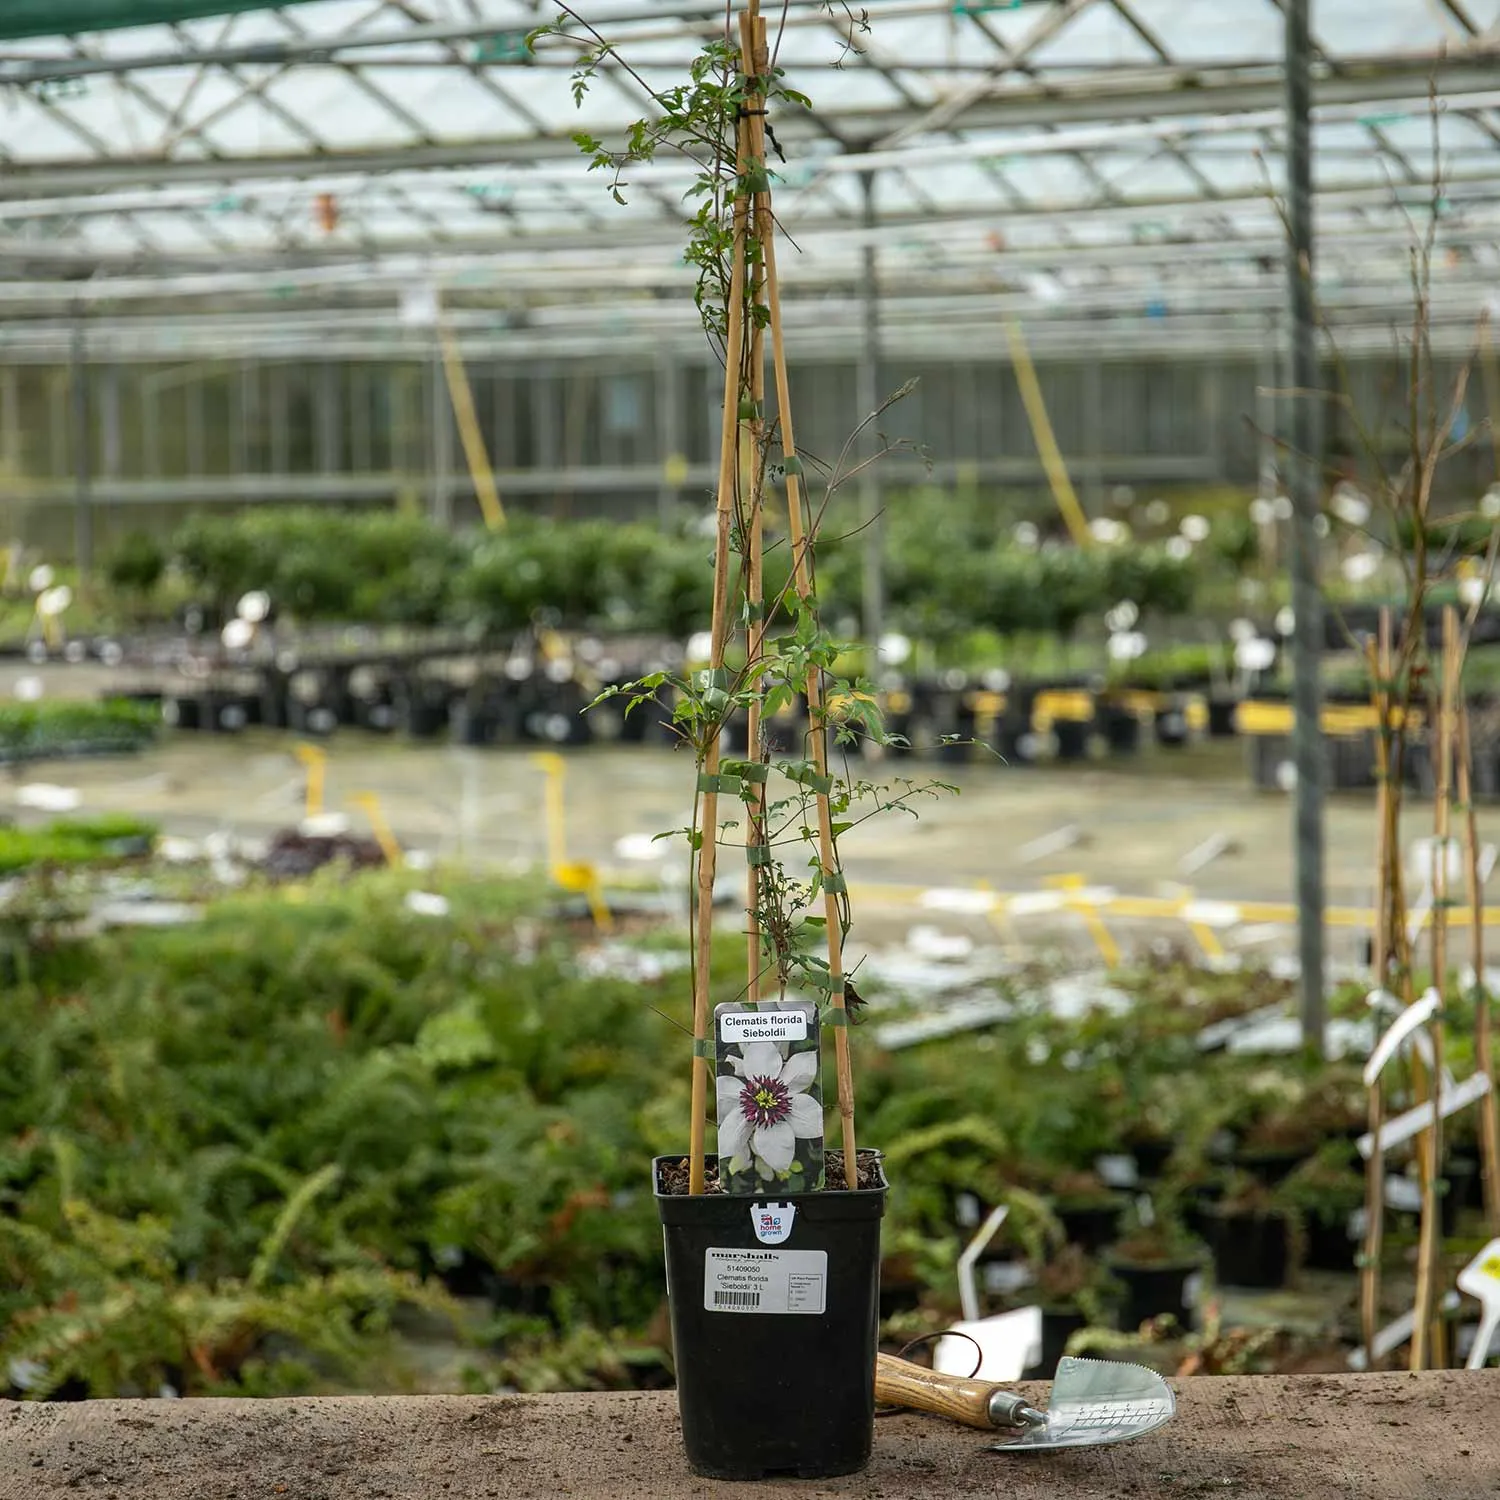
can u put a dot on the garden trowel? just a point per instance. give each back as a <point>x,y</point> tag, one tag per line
<point>1094,1402</point>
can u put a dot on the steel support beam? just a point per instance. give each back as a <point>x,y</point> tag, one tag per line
<point>440,440</point>
<point>1304,455</point>
<point>1157,92</point>
<point>867,398</point>
<point>78,386</point>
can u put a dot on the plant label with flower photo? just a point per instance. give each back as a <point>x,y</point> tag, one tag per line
<point>770,1100</point>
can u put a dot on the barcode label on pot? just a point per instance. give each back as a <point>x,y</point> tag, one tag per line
<point>746,1300</point>
<point>765,1281</point>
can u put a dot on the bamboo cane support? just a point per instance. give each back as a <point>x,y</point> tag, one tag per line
<point>708,812</point>
<point>1374,1240</point>
<point>1489,1117</point>
<point>754,63</point>
<point>818,732</point>
<point>1426,1334</point>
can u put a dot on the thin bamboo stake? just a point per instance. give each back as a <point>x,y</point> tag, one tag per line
<point>818,731</point>
<point>752,469</point>
<point>1369,1282</point>
<point>1489,1116</point>
<point>708,812</point>
<point>1426,1334</point>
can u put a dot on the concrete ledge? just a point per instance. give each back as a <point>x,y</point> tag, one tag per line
<point>1374,1437</point>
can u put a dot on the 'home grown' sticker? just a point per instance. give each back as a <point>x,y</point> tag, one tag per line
<point>770,1102</point>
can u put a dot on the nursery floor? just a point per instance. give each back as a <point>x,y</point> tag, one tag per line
<point>1376,1437</point>
<point>1138,823</point>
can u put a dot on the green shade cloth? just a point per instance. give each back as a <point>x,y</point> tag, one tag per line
<point>20,18</point>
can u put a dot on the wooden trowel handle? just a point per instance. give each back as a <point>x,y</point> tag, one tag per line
<point>901,1383</point>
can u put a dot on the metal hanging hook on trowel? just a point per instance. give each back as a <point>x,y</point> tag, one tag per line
<point>1094,1402</point>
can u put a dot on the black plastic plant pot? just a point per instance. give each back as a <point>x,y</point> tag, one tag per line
<point>1091,1225</point>
<point>1251,1249</point>
<point>1122,731</point>
<point>774,1305</point>
<point>1330,1246</point>
<point>1460,1178</point>
<point>1171,727</point>
<point>1058,1326</point>
<point>1151,1156</point>
<point>1221,716</point>
<point>1072,739</point>
<point>1155,1291</point>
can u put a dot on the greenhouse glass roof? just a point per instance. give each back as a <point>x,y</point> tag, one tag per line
<point>1049,156</point>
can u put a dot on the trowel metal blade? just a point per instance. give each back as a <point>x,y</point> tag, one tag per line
<point>1094,1402</point>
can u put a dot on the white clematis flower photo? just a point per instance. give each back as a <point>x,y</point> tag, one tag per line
<point>764,1108</point>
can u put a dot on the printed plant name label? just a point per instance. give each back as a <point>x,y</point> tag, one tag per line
<point>765,1281</point>
<point>763,1026</point>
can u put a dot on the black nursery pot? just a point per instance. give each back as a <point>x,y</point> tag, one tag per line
<point>1072,739</point>
<point>1221,716</point>
<point>1122,731</point>
<point>1460,1178</point>
<point>1329,1245</point>
<point>1154,1291</point>
<point>1091,1225</point>
<point>1251,1249</point>
<point>1058,1326</point>
<point>767,1394</point>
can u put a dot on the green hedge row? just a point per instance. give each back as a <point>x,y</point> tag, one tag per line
<point>34,731</point>
<point>944,576</point>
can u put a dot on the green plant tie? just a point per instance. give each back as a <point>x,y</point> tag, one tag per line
<point>756,771</point>
<point>703,1047</point>
<point>757,856</point>
<point>805,773</point>
<point>723,783</point>
<point>836,883</point>
<point>791,467</point>
<point>712,677</point>
<point>837,1015</point>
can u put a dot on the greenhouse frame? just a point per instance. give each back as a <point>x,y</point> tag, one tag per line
<point>236,239</point>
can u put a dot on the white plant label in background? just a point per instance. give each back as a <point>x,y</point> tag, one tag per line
<point>765,1281</point>
<point>738,1027</point>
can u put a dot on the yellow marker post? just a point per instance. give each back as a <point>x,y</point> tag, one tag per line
<point>316,761</point>
<point>369,803</point>
<point>1046,442</point>
<point>468,430</point>
<point>572,875</point>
